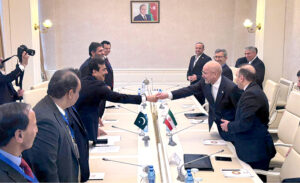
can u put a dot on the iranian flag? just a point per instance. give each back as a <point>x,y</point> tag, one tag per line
<point>170,121</point>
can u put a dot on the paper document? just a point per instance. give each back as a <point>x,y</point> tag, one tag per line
<point>96,176</point>
<point>106,149</point>
<point>214,142</point>
<point>235,173</point>
<point>184,106</point>
<point>106,121</point>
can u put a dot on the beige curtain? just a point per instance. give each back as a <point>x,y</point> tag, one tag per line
<point>44,76</point>
<point>1,42</point>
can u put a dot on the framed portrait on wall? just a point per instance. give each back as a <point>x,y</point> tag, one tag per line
<point>144,11</point>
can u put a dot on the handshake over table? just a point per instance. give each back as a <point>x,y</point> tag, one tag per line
<point>156,97</point>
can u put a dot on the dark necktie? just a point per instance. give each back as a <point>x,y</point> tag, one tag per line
<point>26,168</point>
<point>108,64</point>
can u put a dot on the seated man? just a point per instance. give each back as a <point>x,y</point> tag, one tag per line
<point>17,133</point>
<point>93,91</point>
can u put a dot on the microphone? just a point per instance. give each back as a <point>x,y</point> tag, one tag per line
<point>190,110</point>
<point>146,81</point>
<point>127,109</point>
<point>146,138</point>
<point>4,60</point>
<point>181,177</point>
<point>170,134</point>
<point>145,167</point>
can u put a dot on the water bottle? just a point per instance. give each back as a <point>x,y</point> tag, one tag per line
<point>151,174</point>
<point>139,91</point>
<point>143,88</point>
<point>189,178</point>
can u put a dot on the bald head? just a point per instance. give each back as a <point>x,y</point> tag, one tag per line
<point>248,71</point>
<point>212,70</point>
<point>214,66</point>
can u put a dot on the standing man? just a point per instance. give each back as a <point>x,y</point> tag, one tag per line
<point>95,50</point>
<point>221,93</point>
<point>252,141</point>
<point>54,156</point>
<point>7,91</point>
<point>93,91</point>
<point>17,132</point>
<point>221,57</point>
<point>143,16</point>
<point>109,78</point>
<point>194,73</point>
<point>298,83</point>
<point>252,58</point>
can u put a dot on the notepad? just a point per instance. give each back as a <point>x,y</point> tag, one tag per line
<point>236,173</point>
<point>111,139</point>
<point>201,164</point>
<point>96,176</point>
<point>214,142</point>
<point>107,149</point>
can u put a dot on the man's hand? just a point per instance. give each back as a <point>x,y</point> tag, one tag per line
<point>109,87</point>
<point>151,98</point>
<point>20,93</point>
<point>224,125</point>
<point>162,95</point>
<point>100,122</point>
<point>193,78</point>
<point>25,58</point>
<point>101,132</point>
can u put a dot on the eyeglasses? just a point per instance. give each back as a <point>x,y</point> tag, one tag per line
<point>216,57</point>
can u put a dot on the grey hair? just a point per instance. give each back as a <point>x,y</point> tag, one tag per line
<point>221,50</point>
<point>251,48</point>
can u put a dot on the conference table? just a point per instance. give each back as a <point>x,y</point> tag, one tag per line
<point>127,147</point>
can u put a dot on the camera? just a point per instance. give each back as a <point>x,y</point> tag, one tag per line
<point>22,48</point>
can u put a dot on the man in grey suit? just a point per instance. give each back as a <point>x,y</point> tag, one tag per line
<point>143,16</point>
<point>17,132</point>
<point>54,156</point>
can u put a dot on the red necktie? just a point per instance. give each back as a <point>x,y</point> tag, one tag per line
<point>26,168</point>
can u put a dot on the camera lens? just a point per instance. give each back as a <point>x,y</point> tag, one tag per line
<point>30,52</point>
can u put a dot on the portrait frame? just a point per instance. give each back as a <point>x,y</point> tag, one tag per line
<point>148,13</point>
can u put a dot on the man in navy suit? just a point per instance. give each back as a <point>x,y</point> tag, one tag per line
<point>252,141</point>
<point>143,16</point>
<point>7,91</point>
<point>93,91</point>
<point>194,73</point>
<point>17,133</point>
<point>95,50</point>
<point>221,93</point>
<point>252,58</point>
<point>221,57</point>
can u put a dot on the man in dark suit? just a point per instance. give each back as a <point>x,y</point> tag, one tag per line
<point>143,16</point>
<point>82,141</point>
<point>194,73</point>
<point>54,156</point>
<point>95,50</point>
<point>93,91</point>
<point>221,57</point>
<point>221,93</point>
<point>17,132</point>
<point>7,91</point>
<point>252,58</point>
<point>252,141</point>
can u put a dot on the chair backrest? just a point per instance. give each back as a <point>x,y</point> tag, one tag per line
<point>289,122</point>
<point>234,71</point>
<point>295,87</point>
<point>286,87</point>
<point>32,97</point>
<point>291,164</point>
<point>271,90</point>
<point>40,85</point>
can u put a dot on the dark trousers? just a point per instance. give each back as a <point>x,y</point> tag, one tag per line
<point>262,165</point>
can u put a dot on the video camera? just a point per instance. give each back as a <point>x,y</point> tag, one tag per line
<point>23,48</point>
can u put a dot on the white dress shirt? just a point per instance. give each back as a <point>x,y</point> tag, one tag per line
<point>196,59</point>
<point>15,159</point>
<point>215,88</point>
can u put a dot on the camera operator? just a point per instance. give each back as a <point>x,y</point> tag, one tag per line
<point>7,91</point>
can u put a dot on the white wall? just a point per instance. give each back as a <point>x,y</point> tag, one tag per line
<point>168,44</point>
